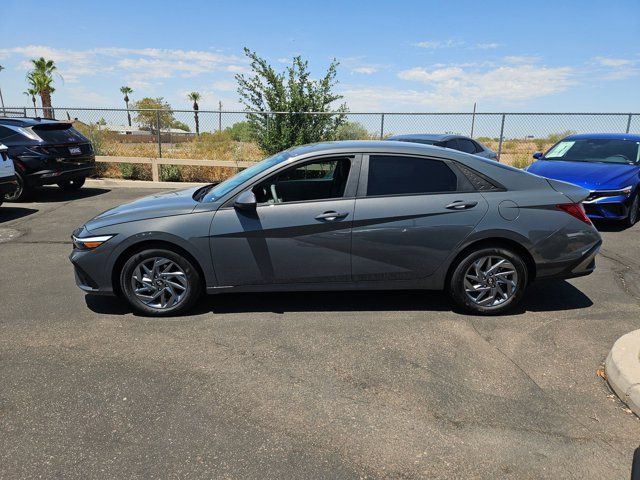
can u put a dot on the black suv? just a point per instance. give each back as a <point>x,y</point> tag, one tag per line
<point>46,152</point>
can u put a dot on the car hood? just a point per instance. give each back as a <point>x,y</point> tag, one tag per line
<point>153,206</point>
<point>592,176</point>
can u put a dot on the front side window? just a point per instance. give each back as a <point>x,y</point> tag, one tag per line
<point>317,180</point>
<point>595,150</point>
<point>398,175</point>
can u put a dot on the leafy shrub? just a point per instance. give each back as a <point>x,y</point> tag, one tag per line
<point>241,132</point>
<point>170,173</point>
<point>352,131</point>
<point>522,161</point>
<point>130,171</point>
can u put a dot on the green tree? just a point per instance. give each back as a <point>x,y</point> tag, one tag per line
<point>293,92</point>
<point>41,79</point>
<point>241,132</point>
<point>150,110</point>
<point>126,91</point>
<point>180,125</point>
<point>194,97</point>
<point>352,131</point>
<point>32,92</point>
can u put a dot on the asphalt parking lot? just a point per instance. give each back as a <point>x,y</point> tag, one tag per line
<point>303,385</point>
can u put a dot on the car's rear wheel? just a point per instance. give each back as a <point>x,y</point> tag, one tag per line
<point>489,281</point>
<point>159,282</point>
<point>21,191</point>
<point>72,184</point>
<point>634,211</point>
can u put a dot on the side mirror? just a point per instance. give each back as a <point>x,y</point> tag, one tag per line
<point>246,201</point>
<point>538,155</point>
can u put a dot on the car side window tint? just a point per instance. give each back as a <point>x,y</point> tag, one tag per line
<point>452,144</point>
<point>398,175</point>
<point>478,147</point>
<point>5,132</point>
<point>466,146</point>
<point>321,179</point>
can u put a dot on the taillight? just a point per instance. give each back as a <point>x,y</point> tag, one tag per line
<point>575,210</point>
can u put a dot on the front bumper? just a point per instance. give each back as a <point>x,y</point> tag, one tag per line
<point>608,208</point>
<point>7,184</point>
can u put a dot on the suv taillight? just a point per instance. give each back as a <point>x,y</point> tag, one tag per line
<point>575,210</point>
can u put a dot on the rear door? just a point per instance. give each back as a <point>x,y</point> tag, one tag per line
<point>410,213</point>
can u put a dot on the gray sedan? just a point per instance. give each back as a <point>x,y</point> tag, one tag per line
<point>343,215</point>
<point>455,142</point>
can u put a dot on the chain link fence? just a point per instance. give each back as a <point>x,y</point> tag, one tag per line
<point>225,135</point>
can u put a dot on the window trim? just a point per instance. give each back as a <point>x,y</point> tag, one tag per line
<point>364,176</point>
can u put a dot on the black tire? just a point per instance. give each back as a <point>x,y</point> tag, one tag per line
<point>21,193</point>
<point>193,282</point>
<point>458,291</point>
<point>72,184</point>
<point>634,211</point>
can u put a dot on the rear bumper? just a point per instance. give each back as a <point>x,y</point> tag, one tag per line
<point>50,177</point>
<point>584,265</point>
<point>7,184</point>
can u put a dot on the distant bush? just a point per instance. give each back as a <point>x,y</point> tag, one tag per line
<point>170,173</point>
<point>522,160</point>
<point>556,137</point>
<point>241,132</point>
<point>130,171</point>
<point>352,131</point>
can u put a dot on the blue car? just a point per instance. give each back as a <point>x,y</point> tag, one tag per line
<point>607,164</point>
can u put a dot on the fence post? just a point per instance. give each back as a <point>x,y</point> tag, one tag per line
<point>220,116</point>
<point>155,170</point>
<point>382,126</point>
<point>629,123</point>
<point>25,111</point>
<point>473,119</point>
<point>501,137</point>
<point>158,126</point>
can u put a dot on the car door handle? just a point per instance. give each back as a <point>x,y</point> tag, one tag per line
<point>461,205</point>
<point>331,216</point>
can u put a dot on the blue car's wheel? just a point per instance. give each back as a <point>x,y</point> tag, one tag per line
<point>634,211</point>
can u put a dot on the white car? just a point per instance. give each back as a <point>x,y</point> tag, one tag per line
<point>7,173</point>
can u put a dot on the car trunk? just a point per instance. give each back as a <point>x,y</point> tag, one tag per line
<point>573,192</point>
<point>69,146</point>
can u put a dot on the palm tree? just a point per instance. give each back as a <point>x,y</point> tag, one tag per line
<point>41,78</point>
<point>126,91</point>
<point>43,85</point>
<point>32,92</point>
<point>194,97</point>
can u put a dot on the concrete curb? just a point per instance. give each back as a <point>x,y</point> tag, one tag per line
<point>623,369</point>
<point>115,183</point>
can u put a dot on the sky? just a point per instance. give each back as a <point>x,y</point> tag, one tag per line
<point>404,56</point>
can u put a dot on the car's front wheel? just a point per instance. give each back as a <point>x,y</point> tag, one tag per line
<point>634,211</point>
<point>72,184</point>
<point>488,281</point>
<point>159,282</point>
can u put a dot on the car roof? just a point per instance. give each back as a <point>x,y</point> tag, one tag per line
<point>434,137</point>
<point>27,121</point>
<point>374,146</point>
<point>604,136</point>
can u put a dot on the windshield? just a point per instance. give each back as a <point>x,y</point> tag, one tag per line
<point>596,150</point>
<point>214,192</point>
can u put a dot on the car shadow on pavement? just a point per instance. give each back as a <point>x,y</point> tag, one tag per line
<point>553,295</point>
<point>8,214</point>
<point>56,194</point>
<point>609,226</point>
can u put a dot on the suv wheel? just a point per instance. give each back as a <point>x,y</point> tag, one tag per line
<point>72,184</point>
<point>159,282</point>
<point>21,191</point>
<point>489,281</point>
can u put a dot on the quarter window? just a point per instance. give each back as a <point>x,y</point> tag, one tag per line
<point>397,175</point>
<point>466,146</point>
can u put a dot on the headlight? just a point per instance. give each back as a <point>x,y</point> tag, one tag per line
<point>627,190</point>
<point>90,243</point>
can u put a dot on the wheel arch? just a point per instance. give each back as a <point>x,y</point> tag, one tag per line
<point>496,241</point>
<point>145,245</point>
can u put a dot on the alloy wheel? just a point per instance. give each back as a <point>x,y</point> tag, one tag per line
<point>159,283</point>
<point>490,281</point>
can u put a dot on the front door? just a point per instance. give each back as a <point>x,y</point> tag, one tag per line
<point>413,213</point>
<point>300,231</point>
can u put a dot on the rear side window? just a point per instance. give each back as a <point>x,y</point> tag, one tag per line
<point>397,175</point>
<point>59,133</point>
<point>5,132</point>
<point>466,146</point>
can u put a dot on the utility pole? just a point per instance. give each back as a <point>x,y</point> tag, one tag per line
<point>219,116</point>
<point>1,99</point>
